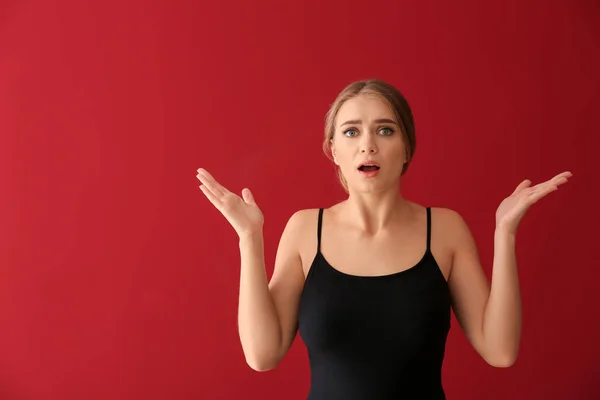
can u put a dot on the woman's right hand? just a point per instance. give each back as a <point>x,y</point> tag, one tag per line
<point>241,212</point>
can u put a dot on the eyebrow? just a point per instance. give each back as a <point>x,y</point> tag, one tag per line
<point>377,121</point>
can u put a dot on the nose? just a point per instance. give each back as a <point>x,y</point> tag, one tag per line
<point>368,145</point>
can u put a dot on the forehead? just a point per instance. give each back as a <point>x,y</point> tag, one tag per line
<point>365,107</point>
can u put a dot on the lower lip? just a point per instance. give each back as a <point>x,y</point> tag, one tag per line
<point>369,174</point>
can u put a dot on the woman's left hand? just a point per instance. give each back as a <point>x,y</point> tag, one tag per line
<point>513,208</point>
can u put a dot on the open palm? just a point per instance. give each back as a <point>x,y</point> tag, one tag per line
<point>513,208</point>
<point>241,212</point>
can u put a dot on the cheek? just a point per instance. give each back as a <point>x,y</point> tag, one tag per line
<point>344,162</point>
<point>342,155</point>
<point>395,157</point>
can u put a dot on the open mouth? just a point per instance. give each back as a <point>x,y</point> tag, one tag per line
<point>368,167</point>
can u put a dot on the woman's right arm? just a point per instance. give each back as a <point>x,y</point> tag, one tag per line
<point>268,311</point>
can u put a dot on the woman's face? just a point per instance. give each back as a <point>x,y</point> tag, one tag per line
<point>366,132</point>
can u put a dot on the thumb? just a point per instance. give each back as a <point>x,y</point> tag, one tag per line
<point>247,196</point>
<point>522,186</point>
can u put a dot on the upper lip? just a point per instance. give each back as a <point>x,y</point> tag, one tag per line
<point>368,162</point>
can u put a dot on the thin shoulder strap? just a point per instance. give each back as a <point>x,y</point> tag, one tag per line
<point>320,224</point>
<point>428,228</point>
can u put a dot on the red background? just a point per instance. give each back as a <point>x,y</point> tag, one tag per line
<point>118,278</point>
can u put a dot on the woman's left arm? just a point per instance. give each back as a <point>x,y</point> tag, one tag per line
<point>490,315</point>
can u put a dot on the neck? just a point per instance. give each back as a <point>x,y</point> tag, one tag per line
<point>375,211</point>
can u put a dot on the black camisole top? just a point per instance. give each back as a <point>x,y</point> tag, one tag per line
<point>375,337</point>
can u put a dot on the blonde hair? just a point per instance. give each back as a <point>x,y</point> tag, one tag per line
<point>395,100</point>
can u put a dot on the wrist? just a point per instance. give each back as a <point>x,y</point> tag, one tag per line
<point>503,232</point>
<point>255,236</point>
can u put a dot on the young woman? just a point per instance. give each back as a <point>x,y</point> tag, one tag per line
<point>369,282</point>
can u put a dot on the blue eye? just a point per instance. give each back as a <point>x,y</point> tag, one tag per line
<point>351,132</point>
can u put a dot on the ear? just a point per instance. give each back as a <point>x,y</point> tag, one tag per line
<point>333,152</point>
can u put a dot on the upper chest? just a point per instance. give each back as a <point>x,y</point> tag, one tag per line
<point>392,251</point>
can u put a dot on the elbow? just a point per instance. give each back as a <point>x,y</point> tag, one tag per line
<point>261,355</point>
<point>261,364</point>
<point>261,367</point>
<point>505,360</point>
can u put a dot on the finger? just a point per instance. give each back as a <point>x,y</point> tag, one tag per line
<point>522,186</point>
<point>562,178</point>
<point>208,180</point>
<point>561,181</point>
<point>566,174</point>
<point>211,197</point>
<point>558,180</point>
<point>248,197</point>
<point>540,192</point>
<point>210,185</point>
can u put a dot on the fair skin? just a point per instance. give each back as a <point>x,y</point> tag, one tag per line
<point>375,219</point>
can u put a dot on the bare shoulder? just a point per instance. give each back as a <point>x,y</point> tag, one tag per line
<point>303,226</point>
<point>449,222</point>
<point>445,213</point>
<point>301,222</point>
<point>295,232</point>
<point>448,232</point>
<point>304,216</point>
